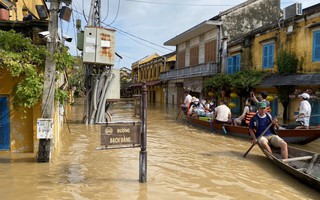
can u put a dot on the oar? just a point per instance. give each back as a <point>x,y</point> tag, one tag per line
<point>178,114</point>
<point>309,116</point>
<point>264,132</point>
<point>211,124</point>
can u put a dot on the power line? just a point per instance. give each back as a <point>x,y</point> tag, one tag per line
<point>116,14</point>
<point>108,7</point>
<point>139,38</point>
<point>179,4</point>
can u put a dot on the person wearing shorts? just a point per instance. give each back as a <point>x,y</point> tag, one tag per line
<point>258,125</point>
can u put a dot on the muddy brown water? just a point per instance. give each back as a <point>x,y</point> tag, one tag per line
<point>183,162</point>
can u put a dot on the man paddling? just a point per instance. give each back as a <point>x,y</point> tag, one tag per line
<point>257,126</point>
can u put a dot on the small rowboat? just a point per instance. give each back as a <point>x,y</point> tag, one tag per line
<point>292,136</point>
<point>301,164</point>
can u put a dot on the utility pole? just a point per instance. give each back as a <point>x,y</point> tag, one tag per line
<point>98,58</point>
<point>49,78</point>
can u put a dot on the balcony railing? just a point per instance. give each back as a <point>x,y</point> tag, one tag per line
<point>206,69</point>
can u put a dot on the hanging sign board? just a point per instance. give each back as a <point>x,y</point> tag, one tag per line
<point>121,135</point>
<point>44,128</point>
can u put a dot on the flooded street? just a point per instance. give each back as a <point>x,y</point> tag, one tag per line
<point>184,162</point>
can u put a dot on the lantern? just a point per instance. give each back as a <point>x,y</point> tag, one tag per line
<point>233,95</point>
<point>270,98</point>
<point>211,94</point>
<point>232,105</point>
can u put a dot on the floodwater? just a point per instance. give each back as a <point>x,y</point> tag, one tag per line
<point>183,162</point>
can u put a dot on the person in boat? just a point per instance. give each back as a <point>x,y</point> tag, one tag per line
<point>209,108</point>
<point>248,112</point>
<point>222,113</point>
<point>262,98</point>
<point>186,103</point>
<point>303,118</point>
<point>257,126</point>
<point>197,109</point>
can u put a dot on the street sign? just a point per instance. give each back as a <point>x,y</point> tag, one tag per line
<point>121,135</point>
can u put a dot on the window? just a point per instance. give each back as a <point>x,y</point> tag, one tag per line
<point>268,56</point>
<point>194,55</point>
<point>181,59</point>
<point>210,51</point>
<point>316,47</point>
<point>233,64</point>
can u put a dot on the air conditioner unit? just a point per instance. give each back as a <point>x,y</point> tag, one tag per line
<point>292,11</point>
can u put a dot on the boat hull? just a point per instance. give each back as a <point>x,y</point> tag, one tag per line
<point>304,169</point>
<point>292,136</point>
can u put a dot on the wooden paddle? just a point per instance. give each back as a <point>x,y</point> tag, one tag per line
<point>264,132</point>
<point>178,114</point>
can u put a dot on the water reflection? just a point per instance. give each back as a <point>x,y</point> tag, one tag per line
<point>184,162</point>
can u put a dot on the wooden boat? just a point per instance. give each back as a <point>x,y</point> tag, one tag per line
<point>301,164</point>
<point>292,136</point>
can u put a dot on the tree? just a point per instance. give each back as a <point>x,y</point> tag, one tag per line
<point>26,61</point>
<point>242,81</point>
<point>287,62</point>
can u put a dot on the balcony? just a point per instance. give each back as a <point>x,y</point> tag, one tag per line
<point>205,69</point>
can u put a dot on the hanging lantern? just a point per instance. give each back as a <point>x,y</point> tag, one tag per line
<point>233,95</point>
<point>270,98</point>
<point>232,105</point>
<point>211,94</point>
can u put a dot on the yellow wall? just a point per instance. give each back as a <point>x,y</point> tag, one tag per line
<point>21,121</point>
<point>299,41</point>
<point>257,50</point>
<point>30,5</point>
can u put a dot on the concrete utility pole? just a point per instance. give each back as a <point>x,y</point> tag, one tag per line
<point>99,69</point>
<point>49,78</point>
<point>94,14</point>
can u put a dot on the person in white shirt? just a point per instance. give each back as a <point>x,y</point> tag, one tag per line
<point>303,118</point>
<point>186,103</point>
<point>187,99</point>
<point>222,113</point>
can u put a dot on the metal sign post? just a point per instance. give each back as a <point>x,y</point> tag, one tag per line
<point>143,151</point>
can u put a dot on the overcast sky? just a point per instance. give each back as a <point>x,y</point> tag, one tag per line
<point>144,25</point>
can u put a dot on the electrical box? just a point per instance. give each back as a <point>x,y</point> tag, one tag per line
<point>99,46</point>
<point>113,91</point>
<point>80,39</point>
<point>44,128</point>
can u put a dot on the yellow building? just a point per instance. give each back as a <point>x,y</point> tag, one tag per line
<point>148,70</point>
<point>18,128</point>
<point>298,33</point>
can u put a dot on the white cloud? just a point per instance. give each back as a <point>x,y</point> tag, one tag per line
<point>152,22</point>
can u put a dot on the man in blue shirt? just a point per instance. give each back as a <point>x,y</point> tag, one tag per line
<point>259,123</point>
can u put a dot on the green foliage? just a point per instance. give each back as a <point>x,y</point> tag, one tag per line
<point>63,59</point>
<point>246,80</point>
<point>76,76</point>
<point>243,81</point>
<point>26,61</point>
<point>60,95</point>
<point>287,62</point>
<point>217,82</point>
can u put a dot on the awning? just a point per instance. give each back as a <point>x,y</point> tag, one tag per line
<point>296,79</point>
<point>150,83</point>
